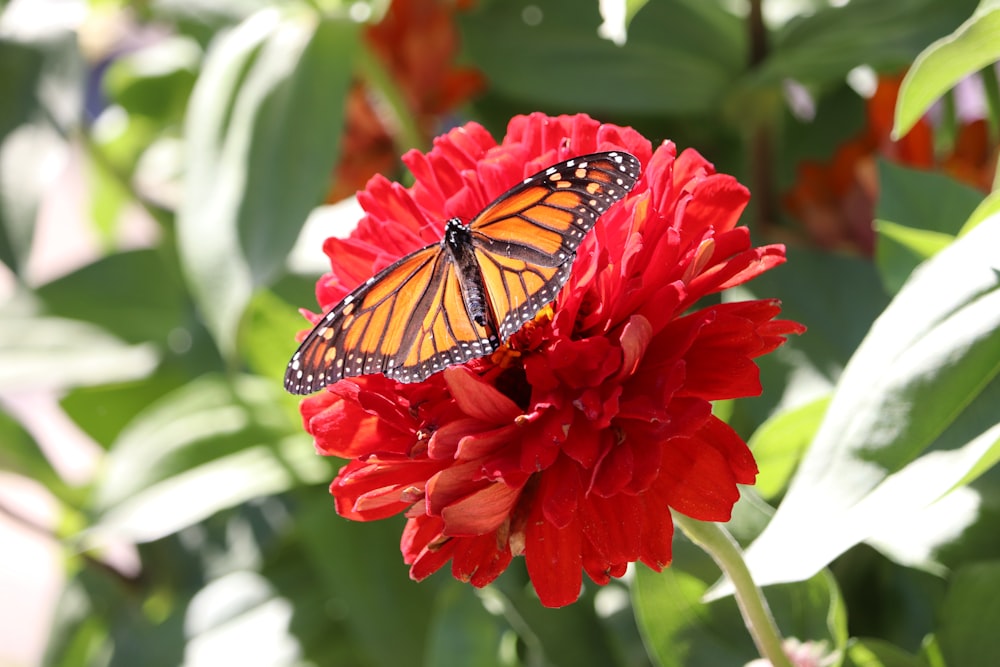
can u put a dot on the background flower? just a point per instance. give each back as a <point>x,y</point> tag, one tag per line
<point>834,200</point>
<point>416,43</point>
<point>597,418</point>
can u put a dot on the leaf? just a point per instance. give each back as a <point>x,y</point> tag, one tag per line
<point>971,47</point>
<point>42,93</point>
<point>970,616</point>
<point>55,353</point>
<point>877,653</point>
<point>20,71</point>
<point>79,632</point>
<point>780,442</point>
<point>21,455</point>
<point>821,47</point>
<point>918,213</point>
<point>29,148</point>
<point>563,637</point>
<point>986,208</point>
<point>682,630</point>
<point>156,79</point>
<point>698,47</point>
<point>263,128</point>
<point>205,447</point>
<point>913,415</point>
<point>320,621</point>
<point>361,567</point>
<point>268,335</point>
<point>338,220</point>
<point>837,298</point>
<point>462,631</point>
<point>102,411</point>
<point>135,295</point>
<point>901,249</point>
<point>618,15</point>
<point>237,617</point>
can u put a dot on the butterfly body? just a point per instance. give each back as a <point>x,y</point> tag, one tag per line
<point>459,299</point>
<point>458,241</point>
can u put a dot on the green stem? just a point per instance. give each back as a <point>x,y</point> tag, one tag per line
<point>720,545</point>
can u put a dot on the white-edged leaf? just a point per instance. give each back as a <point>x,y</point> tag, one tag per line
<point>913,415</point>
<point>55,353</point>
<point>208,446</point>
<point>262,136</point>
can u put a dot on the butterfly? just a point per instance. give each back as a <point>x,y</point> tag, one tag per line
<point>457,300</point>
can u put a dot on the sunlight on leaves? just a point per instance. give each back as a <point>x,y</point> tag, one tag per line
<point>974,45</point>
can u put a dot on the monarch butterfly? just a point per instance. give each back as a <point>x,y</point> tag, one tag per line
<point>459,299</point>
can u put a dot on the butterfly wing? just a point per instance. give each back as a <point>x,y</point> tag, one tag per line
<point>413,318</point>
<point>407,322</point>
<point>526,241</point>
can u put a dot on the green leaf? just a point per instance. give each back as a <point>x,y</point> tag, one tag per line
<point>29,147</point>
<point>970,616</point>
<point>205,447</point>
<point>50,352</point>
<point>103,411</point>
<point>837,298</point>
<point>821,47</point>
<point>922,243</point>
<point>20,71</point>
<point>681,629</point>
<point>21,455</point>
<point>267,335</point>
<point>361,568</point>
<point>917,215</point>
<point>972,46</point>
<point>563,637</point>
<point>913,415</point>
<point>988,207</point>
<point>561,63</point>
<point>618,15</point>
<point>262,132</point>
<point>79,633</point>
<point>780,442</point>
<point>135,295</point>
<point>877,653</point>
<point>155,80</point>
<point>462,631</point>
<point>320,620</point>
<point>236,616</point>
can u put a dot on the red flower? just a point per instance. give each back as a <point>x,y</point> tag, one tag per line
<point>569,444</point>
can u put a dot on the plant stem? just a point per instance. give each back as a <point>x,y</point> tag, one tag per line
<point>720,545</point>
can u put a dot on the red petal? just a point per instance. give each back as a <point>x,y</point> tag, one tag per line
<point>480,512</point>
<point>479,399</point>
<point>657,529</point>
<point>697,480</point>
<point>481,445</point>
<point>480,560</point>
<point>554,559</point>
<point>560,493</point>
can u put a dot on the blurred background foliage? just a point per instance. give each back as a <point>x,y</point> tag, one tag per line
<point>169,168</point>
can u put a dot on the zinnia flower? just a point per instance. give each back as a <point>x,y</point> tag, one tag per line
<point>569,444</point>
